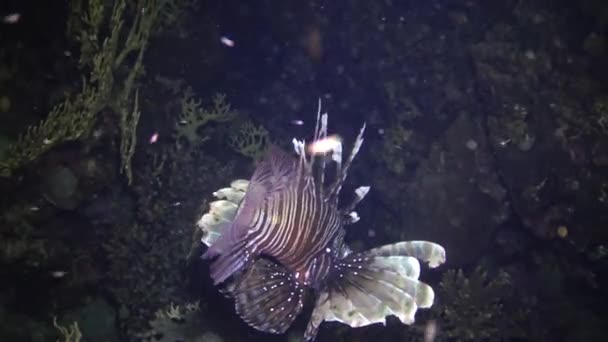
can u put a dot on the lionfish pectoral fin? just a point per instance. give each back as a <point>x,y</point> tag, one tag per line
<point>267,297</point>
<point>367,287</point>
<point>231,253</point>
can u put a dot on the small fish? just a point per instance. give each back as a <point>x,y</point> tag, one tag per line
<point>297,122</point>
<point>277,241</point>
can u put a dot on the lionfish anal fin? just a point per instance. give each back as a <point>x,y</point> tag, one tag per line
<point>267,297</point>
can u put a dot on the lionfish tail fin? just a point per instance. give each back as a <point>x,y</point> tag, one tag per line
<point>369,286</point>
<point>267,297</point>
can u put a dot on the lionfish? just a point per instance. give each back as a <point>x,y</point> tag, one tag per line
<point>278,239</point>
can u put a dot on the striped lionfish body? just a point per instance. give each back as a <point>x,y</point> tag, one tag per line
<point>278,239</point>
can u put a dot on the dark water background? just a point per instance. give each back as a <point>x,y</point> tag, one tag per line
<point>487,132</point>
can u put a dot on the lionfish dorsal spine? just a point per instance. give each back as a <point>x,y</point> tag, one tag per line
<point>303,164</point>
<point>360,193</point>
<point>322,134</point>
<point>335,188</point>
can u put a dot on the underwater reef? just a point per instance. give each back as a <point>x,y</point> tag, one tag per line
<point>487,132</point>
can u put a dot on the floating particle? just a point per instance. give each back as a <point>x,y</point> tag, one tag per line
<point>12,18</point>
<point>154,138</point>
<point>471,144</point>
<point>314,44</point>
<point>58,274</point>
<point>562,231</point>
<point>504,142</point>
<point>227,41</point>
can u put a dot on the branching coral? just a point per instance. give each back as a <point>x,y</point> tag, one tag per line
<point>71,333</point>
<point>194,116</point>
<point>250,140</point>
<point>104,48</point>
<point>128,128</point>
<point>173,13</point>
<point>174,323</point>
<point>67,121</point>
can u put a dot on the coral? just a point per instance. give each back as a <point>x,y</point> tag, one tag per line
<point>71,333</point>
<point>173,13</point>
<point>194,116</point>
<point>250,140</point>
<point>175,323</point>
<point>96,319</point>
<point>102,59</point>
<point>67,121</point>
<point>476,308</point>
<point>128,129</point>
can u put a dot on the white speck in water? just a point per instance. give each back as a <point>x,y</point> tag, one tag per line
<point>530,55</point>
<point>471,144</point>
<point>227,41</point>
<point>154,138</point>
